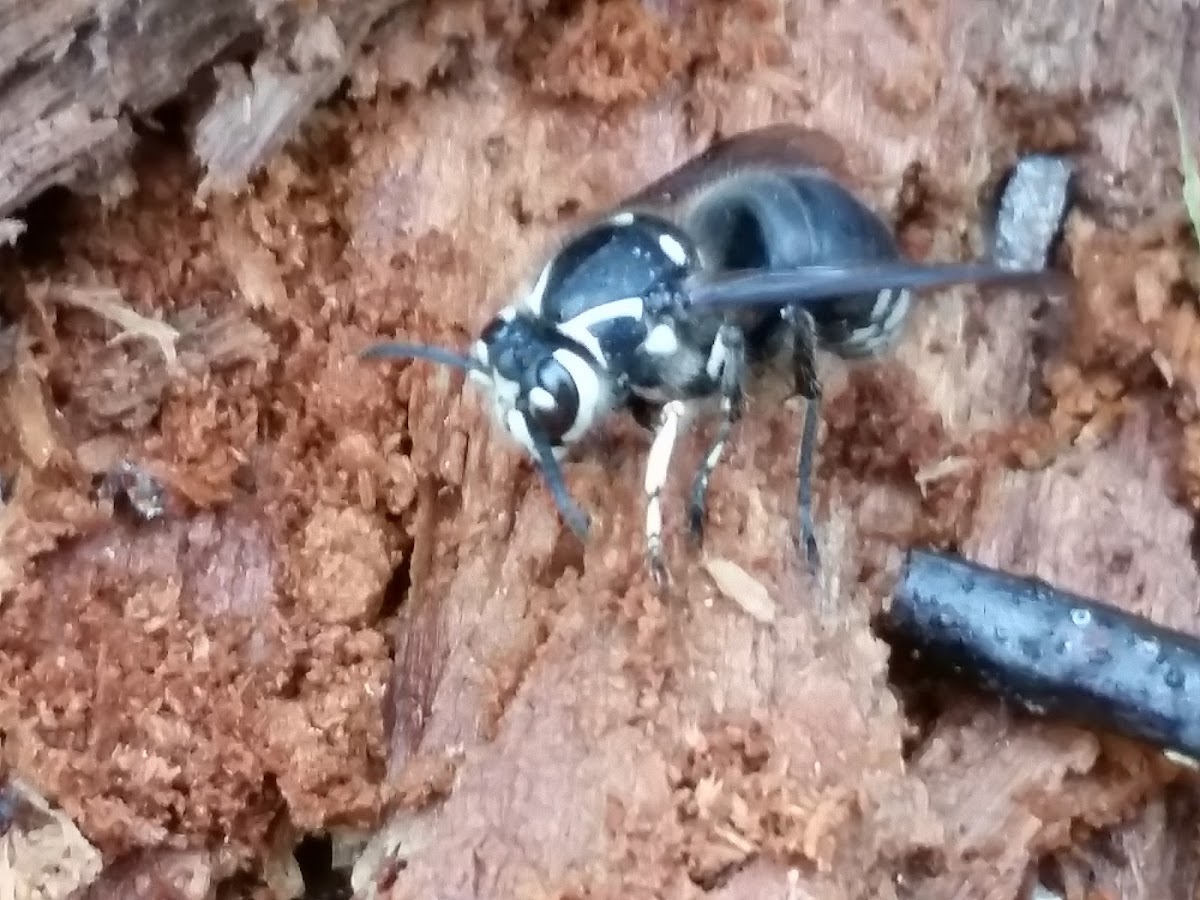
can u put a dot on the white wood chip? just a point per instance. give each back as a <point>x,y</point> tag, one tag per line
<point>742,588</point>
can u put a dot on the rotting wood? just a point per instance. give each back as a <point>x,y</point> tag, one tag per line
<point>74,72</point>
<point>816,678</point>
<point>584,714</point>
<point>253,115</point>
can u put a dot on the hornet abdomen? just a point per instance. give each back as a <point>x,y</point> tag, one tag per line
<point>765,219</point>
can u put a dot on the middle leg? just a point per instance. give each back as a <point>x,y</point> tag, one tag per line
<point>804,353</point>
<point>727,363</point>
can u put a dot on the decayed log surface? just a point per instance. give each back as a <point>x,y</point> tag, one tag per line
<point>652,748</point>
<point>73,72</point>
<point>360,605</point>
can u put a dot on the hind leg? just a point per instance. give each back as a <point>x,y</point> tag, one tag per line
<point>809,387</point>
<point>727,363</point>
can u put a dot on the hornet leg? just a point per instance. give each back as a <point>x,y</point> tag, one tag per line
<point>809,387</point>
<point>657,467</point>
<point>728,363</point>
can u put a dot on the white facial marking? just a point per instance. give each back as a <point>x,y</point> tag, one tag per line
<point>541,398</point>
<point>533,300</point>
<point>505,390</point>
<point>479,379</point>
<point>675,251</point>
<point>514,422</point>
<point>502,396</point>
<point>661,341</point>
<point>594,399</point>
<point>508,313</point>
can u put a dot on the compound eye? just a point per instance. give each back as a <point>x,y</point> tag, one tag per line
<point>554,400</point>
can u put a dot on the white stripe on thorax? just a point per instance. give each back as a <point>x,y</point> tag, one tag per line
<point>579,328</point>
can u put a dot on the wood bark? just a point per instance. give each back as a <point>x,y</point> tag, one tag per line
<point>74,74</point>
<point>584,761</point>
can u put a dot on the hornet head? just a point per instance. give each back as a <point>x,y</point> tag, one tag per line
<point>548,365</point>
<point>544,390</point>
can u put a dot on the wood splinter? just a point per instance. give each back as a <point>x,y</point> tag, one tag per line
<point>1050,651</point>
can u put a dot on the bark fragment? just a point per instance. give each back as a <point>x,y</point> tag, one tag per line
<point>75,73</point>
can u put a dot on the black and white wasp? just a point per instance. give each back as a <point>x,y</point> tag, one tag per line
<point>670,299</point>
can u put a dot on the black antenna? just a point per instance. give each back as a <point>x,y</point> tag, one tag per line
<point>576,518</point>
<point>399,350</point>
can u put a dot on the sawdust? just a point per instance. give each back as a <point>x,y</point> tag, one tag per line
<point>1152,855</point>
<point>195,691</point>
<point>158,875</point>
<point>108,305</point>
<point>1132,336</point>
<point>42,854</point>
<point>359,608</point>
<point>741,587</point>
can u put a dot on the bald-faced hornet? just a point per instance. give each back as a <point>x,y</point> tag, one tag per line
<point>671,297</point>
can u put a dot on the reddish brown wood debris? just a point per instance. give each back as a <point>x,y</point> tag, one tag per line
<point>360,606</point>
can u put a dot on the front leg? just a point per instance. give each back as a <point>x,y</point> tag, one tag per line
<point>658,466</point>
<point>727,363</point>
<point>804,352</point>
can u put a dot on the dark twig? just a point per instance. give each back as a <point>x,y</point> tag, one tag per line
<point>1051,651</point>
